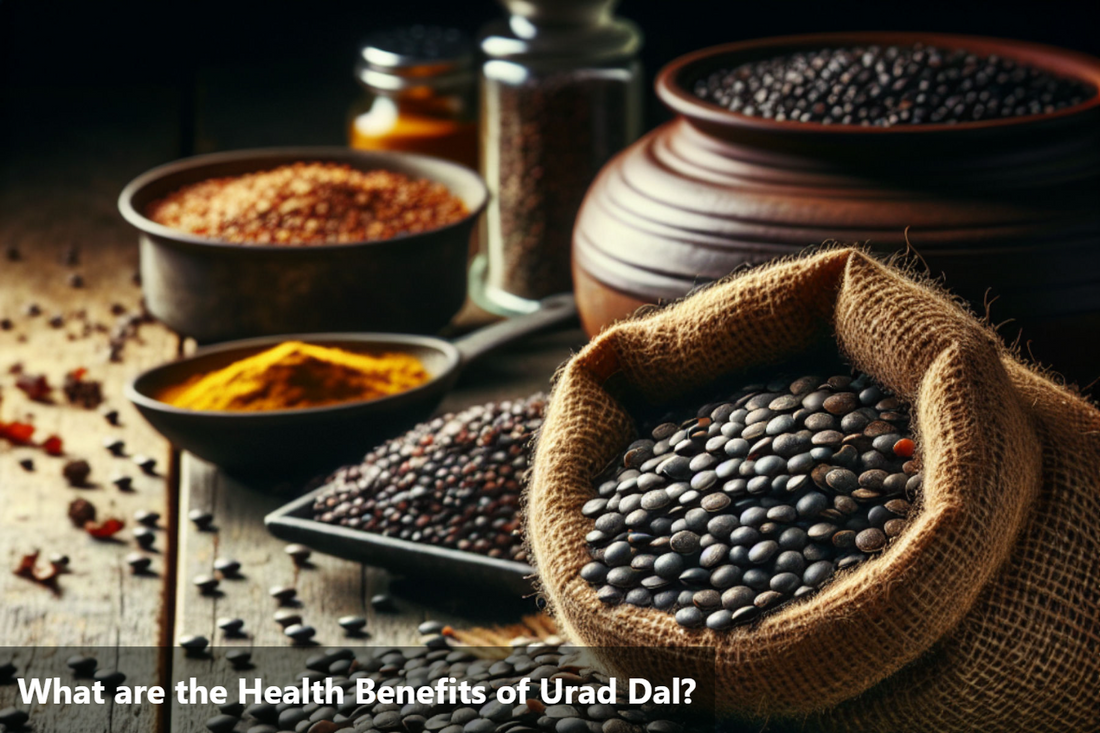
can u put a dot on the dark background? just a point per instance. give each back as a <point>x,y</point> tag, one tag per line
<point>247,73</point>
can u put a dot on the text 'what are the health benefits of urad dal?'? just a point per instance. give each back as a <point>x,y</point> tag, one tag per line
<point>447,690</point>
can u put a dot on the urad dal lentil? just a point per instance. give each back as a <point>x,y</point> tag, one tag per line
<point>308,204</point>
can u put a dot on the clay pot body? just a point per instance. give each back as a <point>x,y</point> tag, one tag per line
<point>1007,208</point>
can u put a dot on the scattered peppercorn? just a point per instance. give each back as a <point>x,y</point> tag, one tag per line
<point>6,324</point>
<point>86,393</point>
<point>122,482</point>
<point>57,320</point>
<point>110,415</point>
<point>76,472</point>
<point>81,511</point>
<point>71,256</point>
<point>76,280</point>
<point>27,464</point>
<point>12,253</point>
<point>32,309</point>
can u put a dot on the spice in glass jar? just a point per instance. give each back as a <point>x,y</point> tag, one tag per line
<point>419,94</point>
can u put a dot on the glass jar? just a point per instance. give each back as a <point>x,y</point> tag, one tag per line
<point>420,94</point>
<point>560,94</point>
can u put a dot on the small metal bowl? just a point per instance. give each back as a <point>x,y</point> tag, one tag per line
<point>300,441</point>
<point>296,442</point>
<point>215,291</point>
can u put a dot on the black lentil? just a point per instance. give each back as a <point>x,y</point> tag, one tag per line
<point>781,515</point>
<point>454,481</point>
<point>886,86</point>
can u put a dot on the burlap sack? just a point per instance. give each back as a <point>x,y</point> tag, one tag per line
<point>983,616</point>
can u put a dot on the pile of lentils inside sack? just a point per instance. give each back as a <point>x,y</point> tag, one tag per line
<point>453,481</point>
<point>733,509</point>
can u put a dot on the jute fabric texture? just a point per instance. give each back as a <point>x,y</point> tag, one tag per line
<point>984,615</point>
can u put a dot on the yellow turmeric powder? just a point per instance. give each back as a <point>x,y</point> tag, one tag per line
<point>297,375</point>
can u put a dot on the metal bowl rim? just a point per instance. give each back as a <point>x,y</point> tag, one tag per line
<point>147,402</point>
<point>331,154</point>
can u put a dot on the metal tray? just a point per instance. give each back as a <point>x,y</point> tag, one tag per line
<point>293,523</point>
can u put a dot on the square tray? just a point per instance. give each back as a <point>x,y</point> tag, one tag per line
<point>293,523</point>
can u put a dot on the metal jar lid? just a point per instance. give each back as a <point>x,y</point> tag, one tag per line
<point>415,56</point>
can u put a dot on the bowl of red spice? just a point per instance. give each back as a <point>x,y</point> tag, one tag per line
<point>283,240</point>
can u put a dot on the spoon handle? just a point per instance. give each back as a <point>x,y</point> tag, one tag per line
<point>552,311</point>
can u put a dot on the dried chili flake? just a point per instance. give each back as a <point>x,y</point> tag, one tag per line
<point>17,432</point>
<point>28,568</point>
<point>104,530</point>
<point>53,446</point>
<point>35,386</point>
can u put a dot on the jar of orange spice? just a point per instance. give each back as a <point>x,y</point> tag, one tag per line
<point>420,94</point>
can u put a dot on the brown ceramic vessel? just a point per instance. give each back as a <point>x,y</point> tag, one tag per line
<point>1007,208</point>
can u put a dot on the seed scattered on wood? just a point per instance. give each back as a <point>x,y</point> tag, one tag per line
<point>298,553</point>
<point>194,643</point>
<point>201,519</point>
<point>138,563</point>
<point>114,446</point>
<point>352,624</point>
<point>205,583</point>
<point>76,472</point>
<point>147,464</point>
<point>227,566</point>
<point>145,537</point>
<point>282,593</point>
<point>300,633</point>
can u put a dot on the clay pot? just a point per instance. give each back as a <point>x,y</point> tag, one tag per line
<point>1006,208</point>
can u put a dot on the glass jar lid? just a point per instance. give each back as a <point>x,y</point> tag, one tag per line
<point>414,56</point>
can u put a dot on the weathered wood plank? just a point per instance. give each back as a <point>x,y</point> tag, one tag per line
<point>52,198</point>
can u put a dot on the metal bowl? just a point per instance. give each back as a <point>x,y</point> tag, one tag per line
<point>215,291</point>
<point>298,441</point>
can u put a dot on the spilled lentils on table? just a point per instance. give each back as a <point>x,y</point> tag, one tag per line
<point>756,500</point>
<point>886,86</point>
<point>454,481</point>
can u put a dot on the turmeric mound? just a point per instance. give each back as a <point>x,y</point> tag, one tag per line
<point>298,375</point>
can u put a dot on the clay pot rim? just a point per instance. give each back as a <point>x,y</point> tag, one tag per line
<point>681,100</point>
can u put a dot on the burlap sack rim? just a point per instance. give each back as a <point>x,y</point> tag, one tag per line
<point>908,262</point>
<point>847,253</point>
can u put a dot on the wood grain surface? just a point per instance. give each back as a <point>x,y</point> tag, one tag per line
<point>55,199</point>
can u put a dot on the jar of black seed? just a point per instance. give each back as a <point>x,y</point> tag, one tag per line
<point>560,94</point>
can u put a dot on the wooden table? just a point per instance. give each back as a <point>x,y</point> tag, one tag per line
<point>55,199</point>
